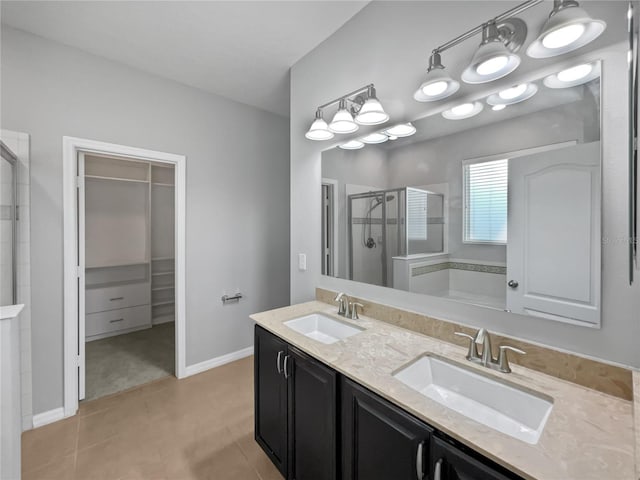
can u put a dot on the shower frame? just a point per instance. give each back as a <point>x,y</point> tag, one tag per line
<point>11,157</point>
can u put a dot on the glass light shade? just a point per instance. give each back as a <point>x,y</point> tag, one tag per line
<point>437,86</point>
<point>401,130</point>
<point>462,111</point>
<point>497,108</point>
<point>573,76</point>
<point>566,30</point>
<point>319,130</point>
<point>371,113</point>
<point>343,122</point>
<point>491,61</point>
<point>513,95</point>
<point>352,145</point>
<point>375,137</point>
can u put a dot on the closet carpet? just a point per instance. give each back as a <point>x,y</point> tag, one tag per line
<point>118,363</point>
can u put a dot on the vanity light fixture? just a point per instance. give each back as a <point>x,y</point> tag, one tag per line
<point>574,76</point>
<point>375,137</point>
<point>462,111</point>
<point>401,130</point>
<point>493,59</point>
<point>319,129</point>
<point>343,120</point>
<point>568,28</point>
<point>513,95</point>
<point>438,84</point>
<point>362,103</point>
<point>371,111</point>
<point>352,145</point>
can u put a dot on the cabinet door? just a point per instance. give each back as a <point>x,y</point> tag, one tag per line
<point>270,391</point>
<point>380,441</point>
<point>312,418</point>
<point>450,463</point>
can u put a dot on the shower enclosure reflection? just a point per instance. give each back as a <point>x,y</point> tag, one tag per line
<point>388,224</point>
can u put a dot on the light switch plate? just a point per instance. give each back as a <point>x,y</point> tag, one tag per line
<point>302,262</point>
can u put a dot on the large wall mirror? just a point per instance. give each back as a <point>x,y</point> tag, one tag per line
<point>489,205</point>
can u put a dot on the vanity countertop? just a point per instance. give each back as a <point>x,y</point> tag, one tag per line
<point>589,435</point>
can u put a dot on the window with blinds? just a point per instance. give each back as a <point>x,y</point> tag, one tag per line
<point>416,214</point>
<point>485,207</point>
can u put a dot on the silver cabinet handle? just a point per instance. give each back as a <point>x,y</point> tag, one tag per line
<point>116,298</point>
<point>513,284</point>
<point>419,467</point>
<point>437,471</point>
<point>278,361</point>
<point>286,366</point>
<point>116,320</point>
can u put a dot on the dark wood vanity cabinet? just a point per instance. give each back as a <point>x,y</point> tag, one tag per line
<point>295,409</point>
<point>270,390</point>
<point>450,463</point>
<point>315,424</point>
<point>379,440</point>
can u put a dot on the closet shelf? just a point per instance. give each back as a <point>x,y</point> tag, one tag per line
<point>116,264</point>
<point>115,179</point>
<point>158,184</point>
<point>156,274</point>
<point>157,259</point>
<point>168,287</point>
<point>158,304</point>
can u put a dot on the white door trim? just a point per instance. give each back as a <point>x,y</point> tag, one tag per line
<point>70,148</point>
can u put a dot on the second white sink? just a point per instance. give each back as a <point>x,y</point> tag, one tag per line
<point>501,406</point>
<point>323,328</point>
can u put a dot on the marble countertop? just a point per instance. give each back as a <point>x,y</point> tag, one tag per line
<point>589,435</point>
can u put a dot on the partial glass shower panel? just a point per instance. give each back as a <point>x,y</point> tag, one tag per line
<point>425,222</point>
<point>8,187</point>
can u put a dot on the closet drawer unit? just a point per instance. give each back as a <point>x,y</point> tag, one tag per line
<point>114,320</point>
<point>112,298</point>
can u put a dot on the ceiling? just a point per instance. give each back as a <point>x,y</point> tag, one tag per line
<point>241,50</point>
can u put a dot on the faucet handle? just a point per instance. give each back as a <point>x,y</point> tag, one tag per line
<point>473,349</point>
<point>354,309</point>
<point>503,359</point>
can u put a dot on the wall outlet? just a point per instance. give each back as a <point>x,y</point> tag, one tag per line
<point>302,262</point>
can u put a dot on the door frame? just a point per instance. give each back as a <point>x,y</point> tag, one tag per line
<point>70,148</point>
<point>334,201</point>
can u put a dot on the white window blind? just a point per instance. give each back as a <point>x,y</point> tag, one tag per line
<point>416,215</point>
<point>485,215</point>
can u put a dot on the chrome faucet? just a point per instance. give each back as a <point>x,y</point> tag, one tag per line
<point>354,310</point>
<point>343,304</point>
<point>483,337</point>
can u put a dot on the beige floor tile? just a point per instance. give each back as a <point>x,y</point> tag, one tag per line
<point>60,469</point>
<point>198,428</point>
<point>46,444</point>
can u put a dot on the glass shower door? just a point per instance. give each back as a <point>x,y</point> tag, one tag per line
<point>7,227</point>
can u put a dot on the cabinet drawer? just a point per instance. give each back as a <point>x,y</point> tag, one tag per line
<point>113,320</point>
<point>111,298</point>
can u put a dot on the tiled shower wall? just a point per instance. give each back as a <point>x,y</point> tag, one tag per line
<point>18,143</point>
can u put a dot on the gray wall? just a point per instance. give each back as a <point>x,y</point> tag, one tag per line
<point>237,188</point>
<point>395,60</point>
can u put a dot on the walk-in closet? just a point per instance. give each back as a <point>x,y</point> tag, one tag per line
<point>128,221</point>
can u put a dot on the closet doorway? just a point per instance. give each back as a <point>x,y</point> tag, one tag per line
<point>128,254</point>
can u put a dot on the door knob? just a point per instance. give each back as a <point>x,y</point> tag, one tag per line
<point>513,284</point>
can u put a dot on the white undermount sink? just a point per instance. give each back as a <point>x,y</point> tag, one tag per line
<point>323,328</point>
<point>501,406</point>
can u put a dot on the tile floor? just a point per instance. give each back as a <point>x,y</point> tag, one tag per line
<point>197,428</point>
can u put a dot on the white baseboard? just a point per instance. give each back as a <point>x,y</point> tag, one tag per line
<point>218,361</point>
<point>45,418</point>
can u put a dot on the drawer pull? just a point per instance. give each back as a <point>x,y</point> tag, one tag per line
<point>116,320</point>
<point>419,459</point>
<point>116,298</point>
